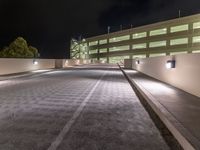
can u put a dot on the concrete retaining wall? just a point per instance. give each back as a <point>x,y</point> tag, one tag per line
<point>10,66</point>
<point>185,76</point>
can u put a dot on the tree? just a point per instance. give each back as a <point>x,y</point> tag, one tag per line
<point>34,51</point>
<point>19,49</point>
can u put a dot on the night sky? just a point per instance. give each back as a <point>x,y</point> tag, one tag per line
<point>50,24</point>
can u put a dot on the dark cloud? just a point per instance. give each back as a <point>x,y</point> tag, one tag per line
<point>49,24</point>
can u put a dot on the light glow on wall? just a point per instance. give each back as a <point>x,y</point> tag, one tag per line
<point>170,64</point>
<point>137,62</point>
<point>35,62</point>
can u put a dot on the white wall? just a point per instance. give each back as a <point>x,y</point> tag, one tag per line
<point>185,76</point>
<point>9,66</point>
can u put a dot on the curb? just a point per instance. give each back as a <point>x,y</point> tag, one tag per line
<point>182,135</point>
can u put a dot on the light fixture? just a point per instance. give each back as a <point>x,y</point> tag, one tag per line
<point>35,62</point>
<point>137,62</point>
<point>170,64</point>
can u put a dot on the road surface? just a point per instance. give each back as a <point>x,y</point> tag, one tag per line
<point>85,108</point>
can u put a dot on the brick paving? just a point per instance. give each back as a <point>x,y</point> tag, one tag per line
<point>34,110</point>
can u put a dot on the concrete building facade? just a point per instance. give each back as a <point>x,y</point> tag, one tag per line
<point>181,35</point>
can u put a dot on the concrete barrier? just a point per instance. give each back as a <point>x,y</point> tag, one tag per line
<point>184,76</point>
<point>11,65</point>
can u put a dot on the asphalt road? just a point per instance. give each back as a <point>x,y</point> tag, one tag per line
<point>86,108</point>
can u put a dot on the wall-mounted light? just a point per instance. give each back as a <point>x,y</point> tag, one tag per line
<point>170,64</point>
<point>35,62</point>
<point>137,62</point>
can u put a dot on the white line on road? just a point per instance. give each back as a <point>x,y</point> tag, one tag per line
<point>54,145</point>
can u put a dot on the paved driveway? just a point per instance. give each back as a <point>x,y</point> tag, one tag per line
<point>86,108</point>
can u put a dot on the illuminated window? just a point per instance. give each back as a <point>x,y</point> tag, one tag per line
<point>139,35</point>
<point>158,32</point>
<point>93,51</point>
<point>117,59</point>
<point>93,43</point>
<point>139,46</point>
<point>179,41</point>
<point>196,25</point>
<point>176,53</point>
<point>196,39</point>
<point>196,51</point>
<point>103,60</point>
<point>158,44</point>
<point>103,41</point>
<point>179,28</point>
<point>94,59</point>
<point>119,48</point>
<point>120,38</point>
<point>139,56</point>
<point>157,55</point>
<point>103,50</point>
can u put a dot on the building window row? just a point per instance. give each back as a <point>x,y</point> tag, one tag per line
<point>155,44</point>
<point>103,50</point>
<point>196,39</point>
<point>139,56</point>
<point>117,59</point>
<point>179,28</point>
<point>93,51</point>
<point>119,48</point>
<point>156,32</point>
<point>103,59</point>
<point>103,41</point>
<point>196,25</point>
<point>119,39</point>
<point>139,46</point>
<point>139,35</point>
<point>157,54</point>
<point>93,43</point>
<point>179,41</point>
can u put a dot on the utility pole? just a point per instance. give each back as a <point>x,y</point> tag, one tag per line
<point>179,13</point>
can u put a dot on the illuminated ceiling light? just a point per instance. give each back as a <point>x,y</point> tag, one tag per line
<point>35,62</point>
<point>170,64</point>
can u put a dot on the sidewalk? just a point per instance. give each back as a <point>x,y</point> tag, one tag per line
<point>23,74</point>
<point>178,110</point>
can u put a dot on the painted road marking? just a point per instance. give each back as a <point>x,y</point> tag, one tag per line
<point>54,145</point>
